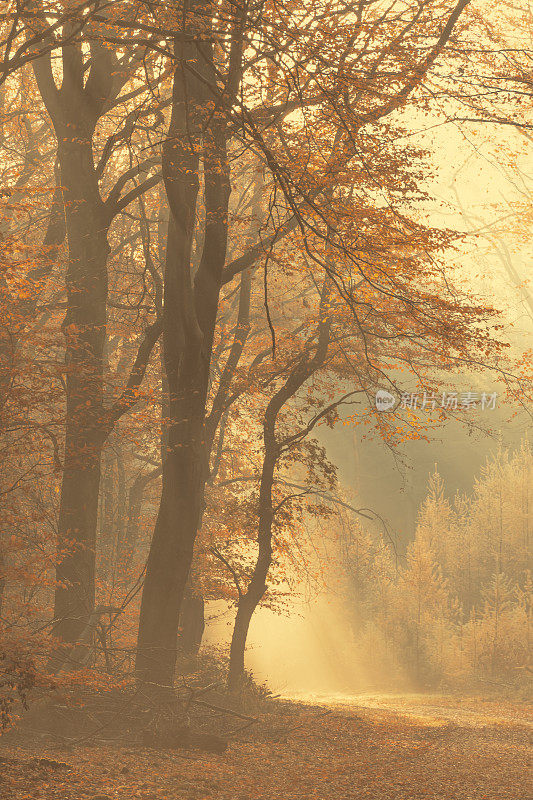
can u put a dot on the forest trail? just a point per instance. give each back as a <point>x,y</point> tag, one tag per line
<point>429,708</point>
<point>373,747</point>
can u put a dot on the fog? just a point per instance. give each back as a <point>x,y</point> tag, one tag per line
<point>307,650</point>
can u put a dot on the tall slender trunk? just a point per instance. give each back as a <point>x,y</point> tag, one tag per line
<point>75,109</point>
<point>88,84</point>
<point>249,601</point>
<point>189,318</point>
<point>171,549</point>
<point>127,543</point>
<point>84,328</point>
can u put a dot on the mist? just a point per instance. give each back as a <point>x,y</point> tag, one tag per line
<point>266,392</point>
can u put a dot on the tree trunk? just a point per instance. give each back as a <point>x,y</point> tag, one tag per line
<point>189,319</point>
<point>249,601</point>
<point>127,541</point>
<point>192,622</point>
<point>171,551</point>
<point>245,611</point>
<point>183,469</point>
<point>84,328</point>
<point>74,109</point>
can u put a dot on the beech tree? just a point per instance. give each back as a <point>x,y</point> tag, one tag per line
<point>228,65</point>
<point>75,108</point>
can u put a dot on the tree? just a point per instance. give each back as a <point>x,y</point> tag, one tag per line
<point>313,356</point>
<point>75,109</point>
<point>442,615</point>
<point>213,101</point>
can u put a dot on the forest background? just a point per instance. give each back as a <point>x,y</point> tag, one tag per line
<point>221,233</point>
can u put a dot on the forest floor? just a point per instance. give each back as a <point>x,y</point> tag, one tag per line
<point>375,747</point>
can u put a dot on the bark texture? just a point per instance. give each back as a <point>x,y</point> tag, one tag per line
<point>197,133</point>
<point>75,108</point>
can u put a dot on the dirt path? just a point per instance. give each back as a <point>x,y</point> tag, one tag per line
<point>372,748</point>
<point>436,709</point>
